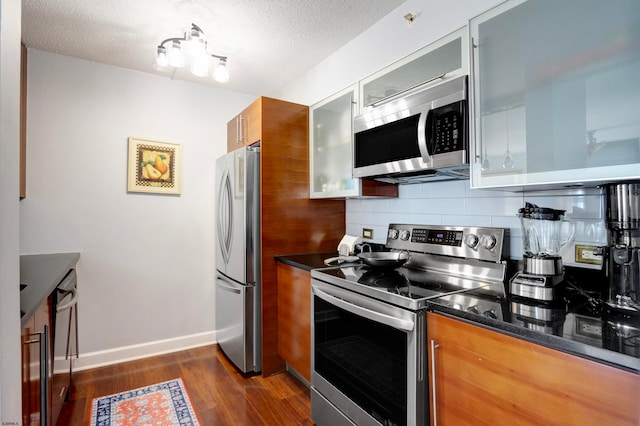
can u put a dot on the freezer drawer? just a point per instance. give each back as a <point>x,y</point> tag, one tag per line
<point>238,328</point>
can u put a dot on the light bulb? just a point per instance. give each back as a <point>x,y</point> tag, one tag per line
<point>176,59</point>
<point>200,65</point>
<point>196,42</point>
<point>221,73</point>
<point>161,62</point>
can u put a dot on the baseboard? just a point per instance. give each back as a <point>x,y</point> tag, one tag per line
<point>96,359</point>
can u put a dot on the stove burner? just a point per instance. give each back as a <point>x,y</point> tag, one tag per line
<point>383,279</point>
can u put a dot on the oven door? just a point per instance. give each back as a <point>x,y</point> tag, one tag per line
<point>367,360</point>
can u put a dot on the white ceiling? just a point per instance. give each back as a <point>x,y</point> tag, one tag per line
<point>269,43</point>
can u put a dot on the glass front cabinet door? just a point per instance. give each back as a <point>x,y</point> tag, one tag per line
<point>442,60</point>
<point>556,93</point>
<point>330,151</point>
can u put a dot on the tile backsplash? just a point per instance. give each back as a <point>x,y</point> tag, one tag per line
<point>454,203</point>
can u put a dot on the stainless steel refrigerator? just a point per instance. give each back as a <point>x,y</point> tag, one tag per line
<point>237,308</point>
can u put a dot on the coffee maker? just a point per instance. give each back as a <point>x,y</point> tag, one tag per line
<point>622,257</point>
<point>542,264</point>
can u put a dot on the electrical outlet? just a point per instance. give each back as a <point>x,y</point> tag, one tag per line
<point>367,233</point>
<point>591,255</point>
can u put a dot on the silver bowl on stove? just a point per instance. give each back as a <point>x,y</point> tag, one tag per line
<point>384,259</point>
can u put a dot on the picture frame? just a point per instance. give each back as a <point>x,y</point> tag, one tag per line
<point>154,166</point>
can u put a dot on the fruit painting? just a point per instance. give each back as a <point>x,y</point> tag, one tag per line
<point>153,166</point>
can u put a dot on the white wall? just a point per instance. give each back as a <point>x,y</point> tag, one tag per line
<point>454,203</point>
<point>146,271</point>
<point>10,398</point>
<point>445,203</point>
<point>387,41</point>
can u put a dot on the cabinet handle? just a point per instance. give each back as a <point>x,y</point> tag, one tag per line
<point>240,129</point>
<point>434,346</point>
<point>386,98</point>
<point>44,376</point>
<point>472,79</point>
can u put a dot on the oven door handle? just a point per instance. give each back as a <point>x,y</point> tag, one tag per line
<point>397,323</point>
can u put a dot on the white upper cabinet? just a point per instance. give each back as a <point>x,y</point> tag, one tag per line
<point>330,150</point>
<point>556,99</point>
<point>441,60</point>
<point>331,154</point>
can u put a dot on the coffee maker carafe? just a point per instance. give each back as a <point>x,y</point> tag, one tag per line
<point>623,251</point>
<point>542,237</point>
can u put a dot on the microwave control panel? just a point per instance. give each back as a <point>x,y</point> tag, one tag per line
<point>446,130</point>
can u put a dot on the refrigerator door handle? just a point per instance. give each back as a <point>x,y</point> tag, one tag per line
<point>222,284</point>
<point>225,217</point>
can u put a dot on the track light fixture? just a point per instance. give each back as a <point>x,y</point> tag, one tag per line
<point>172,53</point>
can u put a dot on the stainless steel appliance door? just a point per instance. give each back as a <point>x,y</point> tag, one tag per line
<point>367,360</point>
<point>238,221</point>
<point>235,315</point>
<point>396,137</point>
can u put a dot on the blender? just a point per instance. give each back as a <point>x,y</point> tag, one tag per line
<point>542,264</point>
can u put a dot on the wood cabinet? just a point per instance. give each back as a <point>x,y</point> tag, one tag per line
<point>244,129</point>
<point>294,318</point>
<point>37,366</point>
<point>290,222</point>
<point>485,377</point>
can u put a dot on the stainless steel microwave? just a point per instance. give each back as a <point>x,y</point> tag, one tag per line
<point>416,137</point>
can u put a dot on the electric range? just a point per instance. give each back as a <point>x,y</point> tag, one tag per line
<point>368,329</point>
<point>444,260</point>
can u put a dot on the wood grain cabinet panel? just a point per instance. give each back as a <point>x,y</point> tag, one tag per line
<point>485,377</point>
<point>245,128</point>
<point>290,222</point>
<point>294,318</point>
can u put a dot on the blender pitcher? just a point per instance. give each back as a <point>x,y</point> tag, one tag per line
<point>542,238</point>
<point>542,230</point>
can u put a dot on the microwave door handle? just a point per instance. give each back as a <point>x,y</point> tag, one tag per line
<point>425,123</point>
<point>396,323</point>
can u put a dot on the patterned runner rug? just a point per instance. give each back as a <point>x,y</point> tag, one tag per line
<point>162,404</point>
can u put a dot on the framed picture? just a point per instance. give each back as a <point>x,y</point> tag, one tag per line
<point>154,167</point>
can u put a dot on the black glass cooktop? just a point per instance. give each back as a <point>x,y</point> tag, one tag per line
<point>402,282</point>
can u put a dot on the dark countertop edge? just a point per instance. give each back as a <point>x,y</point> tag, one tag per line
<point>592,353</point>
<point>42,273</point>
<point>306,261</point>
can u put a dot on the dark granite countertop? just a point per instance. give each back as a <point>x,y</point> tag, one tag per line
<point>562,335</point>
<point>42,273</point>
<point>307,261</point>
<point>579,322</point>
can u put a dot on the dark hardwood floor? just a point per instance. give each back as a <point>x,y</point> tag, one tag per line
<point>220,395</point>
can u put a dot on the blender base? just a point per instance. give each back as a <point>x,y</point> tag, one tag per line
<point>532,286</point>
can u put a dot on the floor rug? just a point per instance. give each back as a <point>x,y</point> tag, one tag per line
<point>162,404</point>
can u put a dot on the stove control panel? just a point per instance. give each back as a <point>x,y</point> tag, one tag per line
<point>489,244</point>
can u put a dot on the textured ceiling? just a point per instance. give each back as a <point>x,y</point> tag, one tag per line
<point>269,43</point>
